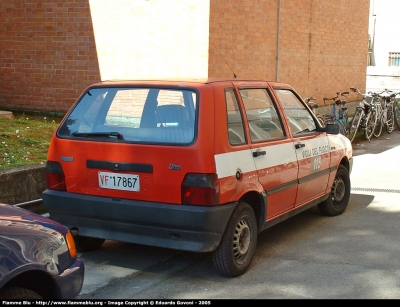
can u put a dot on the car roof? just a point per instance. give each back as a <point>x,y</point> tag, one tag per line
<point>182,81</point>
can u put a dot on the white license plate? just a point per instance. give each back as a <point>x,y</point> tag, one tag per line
<point>117,181</point>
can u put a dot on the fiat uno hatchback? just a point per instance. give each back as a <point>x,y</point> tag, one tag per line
<point>201,165</point>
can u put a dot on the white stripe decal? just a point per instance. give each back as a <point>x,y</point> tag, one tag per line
<point>313,147</point>
<point>228,163</point>
<point>339,142</point>
<point>281,154</point>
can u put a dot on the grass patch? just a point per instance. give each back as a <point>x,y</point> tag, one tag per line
<point>25,139</point>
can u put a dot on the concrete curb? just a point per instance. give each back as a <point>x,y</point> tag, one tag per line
<point>23,184</point>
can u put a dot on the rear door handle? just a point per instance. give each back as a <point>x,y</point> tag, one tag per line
<point>259,153</point>
<point>299,145</point>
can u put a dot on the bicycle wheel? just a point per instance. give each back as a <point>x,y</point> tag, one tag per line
<point>342,129</point>
<point>321,119</point>
<point>370,123</point>
<point>378,126</point>
<point>396,112</point>
<point>390,119</point>
<point>355,124</point>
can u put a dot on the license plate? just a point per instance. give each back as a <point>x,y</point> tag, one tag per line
<point>119,181</point>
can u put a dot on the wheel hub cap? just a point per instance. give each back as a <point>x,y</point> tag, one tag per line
<point>338,190</point>
<point>241,239</point>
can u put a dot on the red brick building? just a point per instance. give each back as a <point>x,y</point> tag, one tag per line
<point>52,49</point>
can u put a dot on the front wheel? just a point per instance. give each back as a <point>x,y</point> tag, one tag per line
<point>378,127</point>
<point>339,197</point>
<point>354,124</point>
<point>370,123</point>
<point>321,118</point>
<point>237,247</point>
<point>16,293</point>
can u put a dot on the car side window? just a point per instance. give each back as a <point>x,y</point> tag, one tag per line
<point>299,118</point>
<point>264,121</point>
<point>235,122</point>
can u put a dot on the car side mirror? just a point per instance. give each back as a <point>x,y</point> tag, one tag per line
<point>332,128</point>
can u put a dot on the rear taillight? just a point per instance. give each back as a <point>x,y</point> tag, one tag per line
<point>200,189</point>
<point>55,176</point>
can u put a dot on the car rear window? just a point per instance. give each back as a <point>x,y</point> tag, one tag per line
<point>142,115</point>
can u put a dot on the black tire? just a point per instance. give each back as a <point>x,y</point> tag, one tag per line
<point>355,124</point>
<point>378,127</point>
<point>339,197</point>
<point>87,244</point>
<point>346,125</point>
<point>238,244</point>
<point>396,112</point>
<point>389,119</point>
<point>15,293</point>
<point>342,129</point>
<point>370,123</point>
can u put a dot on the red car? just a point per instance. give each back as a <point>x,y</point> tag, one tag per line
<point>196,165</point>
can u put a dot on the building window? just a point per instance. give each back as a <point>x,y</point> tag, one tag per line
<point>394,58</point>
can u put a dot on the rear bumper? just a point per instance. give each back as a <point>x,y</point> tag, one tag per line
<point>183,227</point>
<point>70,282</point>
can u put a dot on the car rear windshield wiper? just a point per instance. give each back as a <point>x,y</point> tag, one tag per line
<point>118,135</point>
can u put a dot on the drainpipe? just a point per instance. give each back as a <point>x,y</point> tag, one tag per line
<point>277,42</point>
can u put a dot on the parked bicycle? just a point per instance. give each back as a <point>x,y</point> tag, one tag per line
<point>396,107</point>
<point>364,118</point>
<point>339,113</point>
<point>313,106</point>
<point>385,112</point>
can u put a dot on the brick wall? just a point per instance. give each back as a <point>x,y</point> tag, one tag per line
<point>47,53</point>
<point>51,50</point>
<point>321,47</point>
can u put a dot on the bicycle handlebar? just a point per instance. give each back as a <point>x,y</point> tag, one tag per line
<point>308,99</point>
<point>355,90</point>
<point>374,94</point>
<point>392,94</point>
<point>337,96</point>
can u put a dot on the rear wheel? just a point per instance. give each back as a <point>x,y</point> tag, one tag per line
<point>354,124</point>
<point>342,129</point>
<point>390,119</point>
<point>87,244</point>
<point>237,247</point>
<point>339,197</point>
